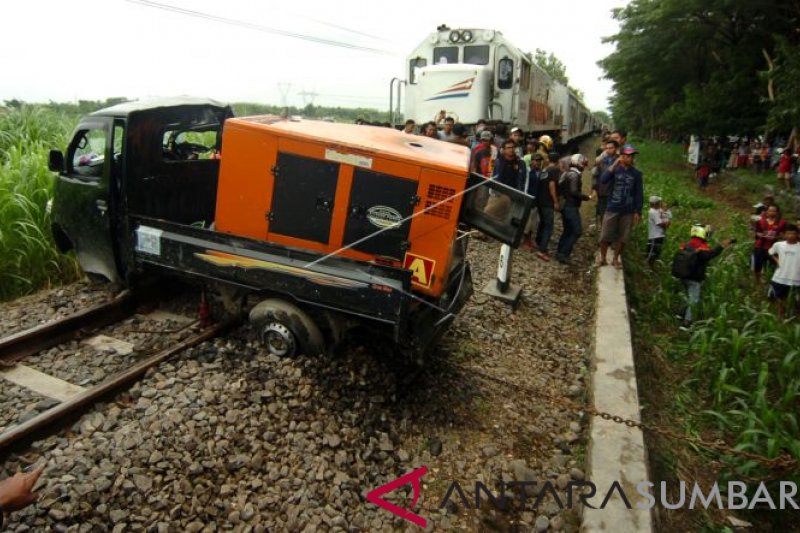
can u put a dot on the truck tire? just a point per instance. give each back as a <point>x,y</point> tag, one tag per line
<point>286,330</point>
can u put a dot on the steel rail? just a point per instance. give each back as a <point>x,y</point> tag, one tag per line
<point>70,407</point>
<point>30,341</point>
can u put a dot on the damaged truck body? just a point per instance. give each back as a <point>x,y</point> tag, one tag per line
<point>328,225</point>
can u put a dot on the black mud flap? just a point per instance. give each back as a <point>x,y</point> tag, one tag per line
<point>496,209</point>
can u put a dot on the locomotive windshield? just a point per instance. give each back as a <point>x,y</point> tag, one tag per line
<point>476,55</point>
<point>443,55</point>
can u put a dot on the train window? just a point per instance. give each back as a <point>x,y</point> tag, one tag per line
<point>505,73</point>
<point>476,55</point>
<point>525,76</point>
<point>443,55</point>
<point>413,65</point>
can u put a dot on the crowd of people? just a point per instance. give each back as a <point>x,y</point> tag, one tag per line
<point>759,156</point>
<point>531,164</point>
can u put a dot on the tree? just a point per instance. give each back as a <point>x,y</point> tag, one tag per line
<point>692,66</point>
<point>552,65</point>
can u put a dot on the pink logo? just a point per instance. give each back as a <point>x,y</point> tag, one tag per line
<point>413,478</point>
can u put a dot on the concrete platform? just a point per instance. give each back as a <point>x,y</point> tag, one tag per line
<point>511,296</point>
<point>616,452</point>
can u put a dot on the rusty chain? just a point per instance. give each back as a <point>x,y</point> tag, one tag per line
<point>781,463</point>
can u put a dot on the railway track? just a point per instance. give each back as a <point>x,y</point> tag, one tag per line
<point>73,398</point>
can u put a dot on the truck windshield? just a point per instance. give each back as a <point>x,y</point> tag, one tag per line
<point>89,150</point>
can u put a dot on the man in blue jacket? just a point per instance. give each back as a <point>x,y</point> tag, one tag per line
<point>509,170</point>
<point>624,208</point>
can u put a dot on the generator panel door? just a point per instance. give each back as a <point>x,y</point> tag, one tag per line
<point>302,198</point>
<point>496,209</point>
<point>380,202</point>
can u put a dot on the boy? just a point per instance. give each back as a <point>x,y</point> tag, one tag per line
<point>657,223</point>
<point>786,255</point>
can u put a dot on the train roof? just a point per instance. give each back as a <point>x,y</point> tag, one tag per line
<point>376,140</point>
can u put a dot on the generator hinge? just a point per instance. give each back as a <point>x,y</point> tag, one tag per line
<point>415,199</point>
<point>276,171</point>
<point>269,215</point>
<point>405,246</point>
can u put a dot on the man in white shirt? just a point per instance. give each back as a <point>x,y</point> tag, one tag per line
<point>656,230</point>
<point>787,275</point>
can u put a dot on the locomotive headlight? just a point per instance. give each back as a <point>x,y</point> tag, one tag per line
<point>455,36</point>
<point>488,35</point>
<point>466,35</point>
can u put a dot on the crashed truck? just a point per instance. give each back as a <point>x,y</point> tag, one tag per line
<point>327,226</point>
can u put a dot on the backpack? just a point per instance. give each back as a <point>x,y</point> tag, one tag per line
<point>684,264</point>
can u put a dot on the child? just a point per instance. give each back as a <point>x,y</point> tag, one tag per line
<point>785,168</point>
<point>658,221</point>
<point>703,172</point>
<point>768,229</point>
<point>666,214</point>
<point>786,255</point>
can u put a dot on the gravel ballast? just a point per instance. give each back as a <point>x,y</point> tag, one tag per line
<point>227,437</point>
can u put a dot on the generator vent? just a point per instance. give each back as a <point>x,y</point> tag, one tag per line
<point>437,193</point>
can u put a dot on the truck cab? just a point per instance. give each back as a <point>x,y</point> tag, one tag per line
<point>156,158</point>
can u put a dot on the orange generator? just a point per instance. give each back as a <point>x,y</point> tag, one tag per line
<point>362,192</point>
<point>372,196</point>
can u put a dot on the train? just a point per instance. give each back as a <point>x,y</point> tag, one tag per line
<point>474,73</point>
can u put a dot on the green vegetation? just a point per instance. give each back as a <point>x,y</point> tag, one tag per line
<point>708,67</point>
<point>28,257</point>
<point>735,375</point>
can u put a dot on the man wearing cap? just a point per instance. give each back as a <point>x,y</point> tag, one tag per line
<point>599,190</point>
<point>625,202</point>
<point>484,155</point>
<point>656,230</point>
<point>482,162</point>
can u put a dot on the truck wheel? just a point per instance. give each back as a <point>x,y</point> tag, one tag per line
<point>286,330</point>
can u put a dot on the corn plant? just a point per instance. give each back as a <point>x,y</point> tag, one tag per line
<point>29,259</point>
<point>744,361</point>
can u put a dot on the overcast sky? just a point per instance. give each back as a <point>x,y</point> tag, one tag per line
<point>94,49</point>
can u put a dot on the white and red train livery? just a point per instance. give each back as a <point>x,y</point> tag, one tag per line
<point>477,73</point>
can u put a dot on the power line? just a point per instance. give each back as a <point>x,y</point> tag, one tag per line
<point>258,27</point>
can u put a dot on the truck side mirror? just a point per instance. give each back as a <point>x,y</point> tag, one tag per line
<point>55,161</point>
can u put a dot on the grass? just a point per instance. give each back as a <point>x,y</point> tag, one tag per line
<point>735,376</point>
<point>29,259</point>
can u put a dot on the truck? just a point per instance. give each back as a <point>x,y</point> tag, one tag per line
<point>326,226</point>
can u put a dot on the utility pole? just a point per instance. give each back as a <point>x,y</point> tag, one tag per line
<point>284,88</point>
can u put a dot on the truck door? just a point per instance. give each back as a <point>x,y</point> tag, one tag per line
<point>83,207</point>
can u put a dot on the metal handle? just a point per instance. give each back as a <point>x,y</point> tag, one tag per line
<point>102,206</point>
